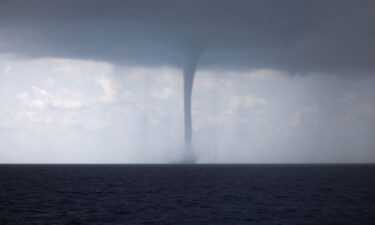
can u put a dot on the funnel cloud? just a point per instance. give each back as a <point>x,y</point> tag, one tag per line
<point>189,70</point>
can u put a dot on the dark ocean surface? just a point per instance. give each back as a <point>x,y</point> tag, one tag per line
<point>187,194</point>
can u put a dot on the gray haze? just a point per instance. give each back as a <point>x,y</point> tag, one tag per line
<point>324,40</point>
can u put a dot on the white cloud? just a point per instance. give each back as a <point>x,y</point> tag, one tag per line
<point>164,93</point>
<point>21,120</point>
<point>236,108</point>
<point>267,74</point>
<point>246,101</point>
<point>41,99</point>
<point>111,94</point>
<point>254,102</point>
<point>80,69</point>
<point>7,70</point>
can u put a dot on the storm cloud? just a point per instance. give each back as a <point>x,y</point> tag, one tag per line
<point>295,36</point>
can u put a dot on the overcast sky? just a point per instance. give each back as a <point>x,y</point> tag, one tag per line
<point>100,81</point>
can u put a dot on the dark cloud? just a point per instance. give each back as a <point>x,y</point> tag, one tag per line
<point>321,36</point>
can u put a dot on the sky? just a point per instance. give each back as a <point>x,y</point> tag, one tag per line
<point>101,82</point>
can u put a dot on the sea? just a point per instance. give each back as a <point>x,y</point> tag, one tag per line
<point>187,194</point>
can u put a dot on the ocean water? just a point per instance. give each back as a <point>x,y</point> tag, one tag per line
<point>187,194</point>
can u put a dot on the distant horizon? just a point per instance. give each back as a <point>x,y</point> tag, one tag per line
<point>197,163</point>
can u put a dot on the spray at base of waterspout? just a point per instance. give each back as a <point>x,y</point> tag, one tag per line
<point>189,157</point>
